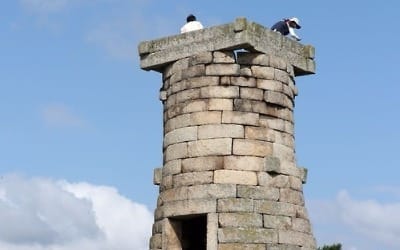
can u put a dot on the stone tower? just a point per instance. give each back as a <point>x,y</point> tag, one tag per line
<point>229,179</point>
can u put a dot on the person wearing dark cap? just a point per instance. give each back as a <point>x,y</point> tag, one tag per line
<point>191,24</point>
<point>287,26</point>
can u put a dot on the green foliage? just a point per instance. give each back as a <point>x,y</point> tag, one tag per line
<point>331,247</point>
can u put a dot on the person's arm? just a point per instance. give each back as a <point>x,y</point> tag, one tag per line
<point>293,34</point>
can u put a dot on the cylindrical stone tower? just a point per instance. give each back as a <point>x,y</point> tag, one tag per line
<point>229,178</point>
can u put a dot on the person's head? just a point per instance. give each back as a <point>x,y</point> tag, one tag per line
<point>190,18</point>
<point>294,22</point>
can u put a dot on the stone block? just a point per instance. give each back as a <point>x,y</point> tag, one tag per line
<point>157,176</point>
<point>199,164</point>
<point>277,62</point>
<point>205,57</point>
<point>176,151</point>
<point>163,95</point>
<point>259,133</point>
<point>301,225</point>
<point>223,69</point>
<point>247,58</point>
<point>282,76</point>
<point>245,71</point>
<point>192,178</point>
<point>244,163</point>
<point>272,164</point>
<point>237,117</point>
<point>225,80</point>
<point>212,231</point>
<point>180,135</point>
<point>291,196</point>
<point>166,183</point>
<point>215,191</point>
<point>156,241</point>
<point>280,181</point>
<point>271,85</point>
<point>235,205</point>
<point>220,131</point>
<point>210,147</point>
<point>278,98</point>
<point>208,117</point>
<point>284,153</point>
<point>278,124</point>
<point>223,57</point>
<point>277,221</point>
<point>251,147</point>
<point>251,93</point>
<point>201,81</point>
<point>247,235</point>
<point>189,207</point>
<point>195,106</point>
<point>296,238</point>
<point>241,220</point>
<point>263,72</point>
<point>243,81</point>
<point>241,246</point>
<point>258,192</point>
<point>176,66</point>
<point>275,208</point>
<point>193,71</point>
<point>172,167</point>
<point>295,183</point>
<point>283,138</point>
<point>173,194</point>
<point>264,179</point>
<point>235,177</point>
<point>219,92</point>
<point>220,104</point>
<point>177,122</point>
<point>186,95</point>
<point>285,247</point>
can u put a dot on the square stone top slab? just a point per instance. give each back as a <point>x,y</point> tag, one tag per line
<point>240,34</point>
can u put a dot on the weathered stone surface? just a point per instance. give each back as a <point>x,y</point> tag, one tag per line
<point>296,238</point>
<point>258,192</point>
<point>156,241</point>
<point>263,72</point>
<point>212,191</point>
<point>172,167</point>
<point>253,59</point>
<point>245,163</point>
<point>241,220</point>
<point>291,196</point>
<point>174,194</point>
<point>223,57</point>
<point>220,104</point>
<point>212,231</point>
<point>251,147</point>
<point>188,207</point>
<point>199,164</point>
<point>243,81</point>
<point>220,131</point>
<point>201,118</point>
<point>188,94</point>
<point>201,58</point>
<point>219,92</point>
<point>223,69</point>
<point>180,135</point>
<point>278,98</point>
<point>251,93</point>
<point>237,117</point>
<point>247,235</point>
<point>241,246</point>
<point>235,205</point>
<point>235,177</point>
<point>301,225</point>
<point>192,178</point>
<point>259,133</point>
<point>176,151</point>
<point>210,147</point>
<point>284,247</point>
<point>157,176</point>
<point>194,106</point>
<point>277,221</point>
<point>275,208</point>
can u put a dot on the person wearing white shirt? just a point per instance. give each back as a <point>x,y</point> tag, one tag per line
<point>191,24</point>
<point>287,26</point>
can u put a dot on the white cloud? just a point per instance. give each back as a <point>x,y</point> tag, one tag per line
<point>357,223</point>
<point>42,214</point>
<point>60,115</point>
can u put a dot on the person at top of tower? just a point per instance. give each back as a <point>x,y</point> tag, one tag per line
<point>191,24</point>
<point>287,26</point>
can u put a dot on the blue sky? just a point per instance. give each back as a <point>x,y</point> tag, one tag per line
<point>79,115</point>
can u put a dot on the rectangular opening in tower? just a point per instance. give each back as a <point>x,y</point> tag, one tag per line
<point>191,232</point>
